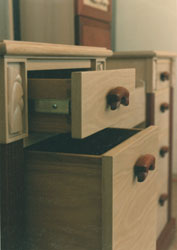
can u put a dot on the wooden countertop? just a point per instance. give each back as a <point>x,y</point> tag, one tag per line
<point>148,53</point>
<point>8,47</point>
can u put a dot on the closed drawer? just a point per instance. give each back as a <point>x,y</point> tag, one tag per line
<point>163,181</point>
<point>163,159</point>
<point>85,195</point>
<point>163,73</point>
<point>82,105</point>
<point>162,210</point>
<point>162,114</point>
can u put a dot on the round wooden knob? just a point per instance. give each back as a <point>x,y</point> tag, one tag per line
<point>163,198</point>
<point>164,76</point>
<point>164,106</point>
<point>117,96</point>
<point>164,150</point>
<point>143,165</point>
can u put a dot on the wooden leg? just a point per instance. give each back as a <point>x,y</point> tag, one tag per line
<point>11,195</point>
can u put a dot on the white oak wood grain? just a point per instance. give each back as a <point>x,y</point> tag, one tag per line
<point>133,206</point>
<point>49,49</point>
<point>145,69</point>
<point>13,84</point>
<point>162,118</point>
<point>144,53</point>
<point>89,90</point>
<point>163,66</point>
<point>50,64</point>
<point>163,175</point>
<point>91,202</point>
<point>136,114</point>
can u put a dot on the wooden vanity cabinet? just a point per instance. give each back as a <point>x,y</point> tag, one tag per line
<point>157,70</point>
<point>81,198</point>
<point>17,61</point>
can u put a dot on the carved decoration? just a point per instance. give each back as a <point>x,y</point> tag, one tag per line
<point>15,103</point>
<point>98,4</point>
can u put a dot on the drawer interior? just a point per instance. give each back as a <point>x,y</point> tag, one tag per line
<point>54,74</point>
<point>95,144</point>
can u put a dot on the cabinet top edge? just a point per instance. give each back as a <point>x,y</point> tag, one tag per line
<point>144,53</point>
<point>8,47</point>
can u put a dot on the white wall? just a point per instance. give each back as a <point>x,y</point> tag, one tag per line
<point>147,25</point>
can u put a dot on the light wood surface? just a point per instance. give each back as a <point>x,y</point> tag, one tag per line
<point>13,84</point>
<point>70,197</point>
<point>61,89</point>
<point>133,204</point>
<point>52,63</point>
<point>162,118</point>
<point>93,88</point>
<point>163,163</point>
<point>145,69</point>
<point>145,53</point>
<point>48,49</point>
<point>163,66</point>
<point>136,114</point>
<point>89,90</point>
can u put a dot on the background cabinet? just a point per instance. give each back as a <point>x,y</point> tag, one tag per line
<point>157,70</point>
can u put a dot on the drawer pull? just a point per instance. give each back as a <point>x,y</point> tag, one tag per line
<point>164,76</point>
<point>164,150</point>
<point>162,199</point>
<point>117,96</point>
<point>164,106</point>
<point>143,165</point>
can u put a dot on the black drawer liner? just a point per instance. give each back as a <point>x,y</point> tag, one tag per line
<point>95,144</point>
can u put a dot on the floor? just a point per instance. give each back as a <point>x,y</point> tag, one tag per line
<point>174,212</point>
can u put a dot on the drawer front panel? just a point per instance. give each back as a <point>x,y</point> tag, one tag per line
<point>163,75</point>
<point>163,167</point>
<point>163,159</point>
<point>136,114</point>
<point>162,115</point>
<point>89,107</point>
<point>133,204</point>
<point>162,213</point>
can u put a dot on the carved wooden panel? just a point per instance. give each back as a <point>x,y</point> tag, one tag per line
<point>98,4</point>
<point>13,82</point>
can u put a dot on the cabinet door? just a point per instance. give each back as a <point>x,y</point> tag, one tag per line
<point>129,206</point>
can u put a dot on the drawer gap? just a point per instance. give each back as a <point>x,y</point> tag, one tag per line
<point>54,74</point>
<point>96,144</point>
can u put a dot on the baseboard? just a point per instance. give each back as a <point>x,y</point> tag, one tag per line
<point>167,235</point>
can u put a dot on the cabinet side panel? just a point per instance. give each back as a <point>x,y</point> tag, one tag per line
<point>63,205</point>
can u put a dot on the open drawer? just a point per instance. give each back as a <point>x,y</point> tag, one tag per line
<point>94,193</point>
<point>86,103</point>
